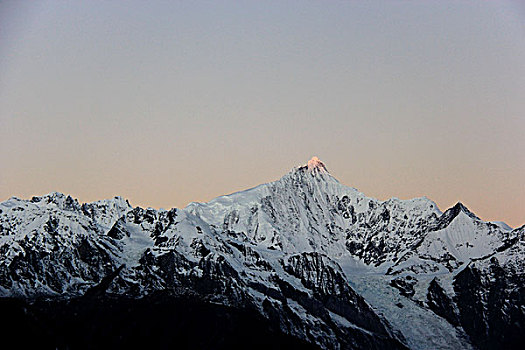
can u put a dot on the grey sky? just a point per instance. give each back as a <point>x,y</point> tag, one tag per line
<point>170,102</point>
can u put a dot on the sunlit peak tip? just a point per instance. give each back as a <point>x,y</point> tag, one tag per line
<point>316,163</point>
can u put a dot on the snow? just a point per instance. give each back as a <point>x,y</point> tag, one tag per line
<point>134,246</point>
<point>502,225</point>
<point>316,164</point>
<point>421,328</point>
<point>301,212</point>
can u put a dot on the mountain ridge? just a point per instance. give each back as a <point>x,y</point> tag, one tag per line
<point>317,259</point>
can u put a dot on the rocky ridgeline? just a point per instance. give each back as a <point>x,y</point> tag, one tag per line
<point>299,253</point>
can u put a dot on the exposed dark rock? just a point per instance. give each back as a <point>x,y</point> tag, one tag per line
<point>100,289</point>
<point>270,253</point>
<point>439,302</point>
<point>446,218</point>
<point>324,277</point>
<point>405,285</point>
<point>491,307</point>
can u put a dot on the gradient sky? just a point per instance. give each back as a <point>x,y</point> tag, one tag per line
<point>170,102</point>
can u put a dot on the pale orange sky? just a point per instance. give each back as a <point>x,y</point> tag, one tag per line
<point>170,103</point>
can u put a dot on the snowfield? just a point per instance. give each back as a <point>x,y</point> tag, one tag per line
<point>317,259</point>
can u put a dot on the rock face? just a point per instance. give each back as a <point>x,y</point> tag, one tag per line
<point>313,261</point>
<point>490,296</point>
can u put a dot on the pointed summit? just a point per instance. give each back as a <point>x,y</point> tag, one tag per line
<point>460,207</point>
<point>450,214</point>
<point>315,164</point>
<point>314,168</point>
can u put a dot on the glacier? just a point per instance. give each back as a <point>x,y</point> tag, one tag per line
<point>313,258</point>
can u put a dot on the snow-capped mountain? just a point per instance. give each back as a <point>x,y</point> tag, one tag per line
<point>306,255</point>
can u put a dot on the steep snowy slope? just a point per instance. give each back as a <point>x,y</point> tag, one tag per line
<point>318,260</point>
<point>487,297</point>
<point>458,237</point>
<point>51,245</point>
<point>309,210</point>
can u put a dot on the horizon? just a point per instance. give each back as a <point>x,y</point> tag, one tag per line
<point>170,103</point>
<point>315,161</point>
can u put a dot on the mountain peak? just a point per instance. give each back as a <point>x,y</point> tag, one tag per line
<point>316,164</point>
<point>450,214</point>
<point>460,207</point>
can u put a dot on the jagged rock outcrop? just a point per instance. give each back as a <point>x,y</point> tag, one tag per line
<point>312,259</point>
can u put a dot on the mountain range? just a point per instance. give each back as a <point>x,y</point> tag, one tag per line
<point>301,262</point>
